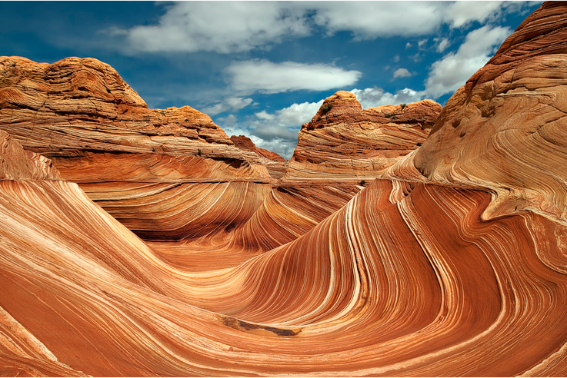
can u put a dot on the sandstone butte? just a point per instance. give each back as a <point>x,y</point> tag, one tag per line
<point>409,276</point>
<point>344,142</point>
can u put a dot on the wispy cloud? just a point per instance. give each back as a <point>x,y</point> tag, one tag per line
<point>264,76</point>
<point>454,69</point>
<point>231,103</point>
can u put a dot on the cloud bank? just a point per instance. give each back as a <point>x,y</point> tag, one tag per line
<point>231,27</point>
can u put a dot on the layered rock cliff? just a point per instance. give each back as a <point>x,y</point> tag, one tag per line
<point>345,142</point>
<point>94,127</point>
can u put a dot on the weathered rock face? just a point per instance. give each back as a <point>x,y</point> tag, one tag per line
<point>345,142</point>
<point>275,164</point>
<point>82,115</point>
<point>19,164</point>
<point>506,128</point>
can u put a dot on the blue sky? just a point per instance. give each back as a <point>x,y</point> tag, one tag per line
<point>262,68</point>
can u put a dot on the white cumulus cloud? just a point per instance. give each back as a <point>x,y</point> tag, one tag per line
<point>454,69</point>
<point>401,72</point>
<point>372,97</point>
<point>268,77</point>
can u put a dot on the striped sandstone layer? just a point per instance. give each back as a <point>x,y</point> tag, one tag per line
<point>391,284</point>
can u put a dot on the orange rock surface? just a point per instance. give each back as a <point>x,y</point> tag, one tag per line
<point>345,142</point>
<point>404,277</point>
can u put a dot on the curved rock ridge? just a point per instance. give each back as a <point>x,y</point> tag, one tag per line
<point>19,164</point>
<point>207,217</point>
<point>506,129</point>
<point>345,142</point>
<point>275,164</point>
<point>82,115</point>
<point>383,286</point>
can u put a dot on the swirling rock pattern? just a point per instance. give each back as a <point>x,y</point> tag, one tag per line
<point>345,142</point>
<point>377,288</point>
<point>404,277</point>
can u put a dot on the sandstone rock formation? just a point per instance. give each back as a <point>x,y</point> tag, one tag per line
<point>98,132</point>
<point>276,164</point>
<point>345,142</point>
<point>94,127</point>
<point>245,143</point>
<point>505,129</point>
<point>401,278</point>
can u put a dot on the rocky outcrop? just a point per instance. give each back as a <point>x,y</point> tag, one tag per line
<point>345,142</point>
<point>19,164</point>
<point>87,120</point>
<point>275,164</point>
<point>505,129</point>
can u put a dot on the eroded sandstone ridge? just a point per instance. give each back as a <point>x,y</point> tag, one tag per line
<point>404,277</point>
<point>94,127</point>
<point>345,142</point>
<point>19,164</point>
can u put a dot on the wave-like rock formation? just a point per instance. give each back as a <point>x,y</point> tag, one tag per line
<point>505,129</point>
<point>98,132</point>
<point>276,164</point>
<point>404,277</point>
<point>345,142</point>
<point>378,288</point>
